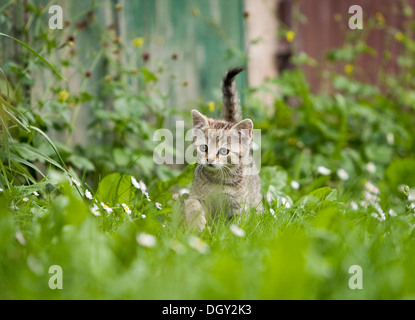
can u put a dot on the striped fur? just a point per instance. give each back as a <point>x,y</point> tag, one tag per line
<point>223,183</point>
<point>231,110</point>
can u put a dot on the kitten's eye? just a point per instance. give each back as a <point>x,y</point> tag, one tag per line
<point>223,151</point>
<point>203,148</point>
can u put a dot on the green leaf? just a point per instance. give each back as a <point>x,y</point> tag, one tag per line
<point>148,75</point>
<point>401,172</point>
<point>274,176</point>
<point>54,69</point>
<point>321,193</point>
<point>116,188</point>
<point>23,191</point>
<point>81,163</point>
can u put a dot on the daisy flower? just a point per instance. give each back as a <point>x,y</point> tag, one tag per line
<point>20,238</point>
<point>106,208</point>
<point>76,182</point>
<point>183,191</point>
<point>95,210</point>
<point>146,240</point>
<point>88,194</point>
<point>126,208</point>
<point>237,231</point>
<point>323,170</point>
<point>371,167</point>
<point>342,174</point>
<point>135,183</point>
<point>143,186</point>
<point>295,185</point>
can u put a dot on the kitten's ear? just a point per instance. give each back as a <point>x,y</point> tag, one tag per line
<point>199,120</point>
<point>245,128</point>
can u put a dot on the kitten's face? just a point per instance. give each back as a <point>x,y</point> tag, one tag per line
<point>220,144</point>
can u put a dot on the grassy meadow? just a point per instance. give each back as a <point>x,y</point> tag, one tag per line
<point>337,175</point>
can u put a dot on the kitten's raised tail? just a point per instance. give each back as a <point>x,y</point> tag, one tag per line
<point>231,110</point>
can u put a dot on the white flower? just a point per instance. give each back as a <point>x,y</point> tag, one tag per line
<point>25,199</point>
<point>76,182</point>
<point>237,231</point>
<point>411,195</point>
<point>126,208</point>
<point>106,208</point>
<point>36,193</point>
<point>198,244</point>
<point>88,194</point>
<point>390,138</point>
<point>146,240</point>
<point>371,167</point>
<point>295,185</point>
<point>175,196</point>
<point>380,216</point>
<point>392,213</point>
<point>369,186</point>
<point>143,216</point>
<point>20,238</point>
<point>374,215</point>
<point>380,211</point>
<point>140,186</point>
<point>147,196</point>
<point>354,205</point>
<point>95,210</point>
<point>342,174</point>
<point>158,205</point>
<point>183,191</point>
<point>1,190</point>
<point>135,183</point>
<point>285,203</point>
<point>143,186</point>
<point>323,170</point>
<point>370,197</point>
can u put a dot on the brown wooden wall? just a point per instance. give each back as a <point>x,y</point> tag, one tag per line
<point>327,24</point>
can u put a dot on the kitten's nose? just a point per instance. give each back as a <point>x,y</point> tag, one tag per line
<point>211,162</point>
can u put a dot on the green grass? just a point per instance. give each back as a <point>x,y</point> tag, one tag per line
<point>302,252</point>
<point>316,226</point>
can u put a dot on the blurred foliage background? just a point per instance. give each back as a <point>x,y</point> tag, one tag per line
<point>79,187</point>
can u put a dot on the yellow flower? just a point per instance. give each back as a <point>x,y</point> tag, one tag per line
<point>138,42</point>
<point>63,96</point>
<point>211,106</point>
<point>195,11</point>
<point>399,36</point>
<point>380,18</point>
<point>348,68</point>
<point>290,35</point>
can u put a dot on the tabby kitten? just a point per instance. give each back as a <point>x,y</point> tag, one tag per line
<point>225,178</point>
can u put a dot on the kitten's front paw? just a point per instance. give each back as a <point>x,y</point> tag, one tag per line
<point>196,221</point>
<point>195,215</point>
<point>200,222</point>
